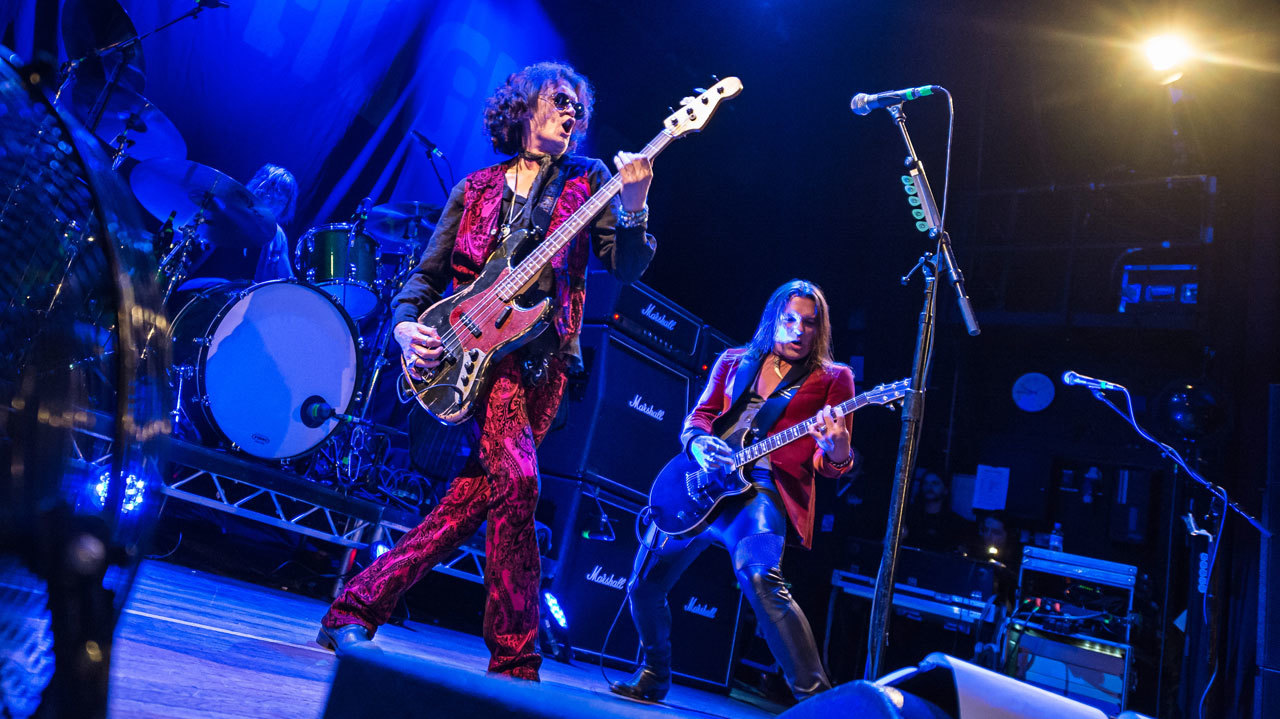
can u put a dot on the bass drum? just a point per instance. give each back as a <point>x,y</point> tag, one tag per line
<point>250,357</point>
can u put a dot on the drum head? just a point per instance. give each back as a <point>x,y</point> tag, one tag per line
<point>271,349</point>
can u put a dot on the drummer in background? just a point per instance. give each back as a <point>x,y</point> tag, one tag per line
<point>277,190</point>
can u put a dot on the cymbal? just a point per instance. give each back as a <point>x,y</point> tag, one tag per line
<point>401,227</point>
<point>129,118</point>
<point>232,215</point>
<point>90,25</point>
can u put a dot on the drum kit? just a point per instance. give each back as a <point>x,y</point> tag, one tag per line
<point>274,369</point>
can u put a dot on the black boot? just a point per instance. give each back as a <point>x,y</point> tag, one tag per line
<point>786,630</point>
<point>343,639</point>
<point>647,684</point>
<point>652,617</point>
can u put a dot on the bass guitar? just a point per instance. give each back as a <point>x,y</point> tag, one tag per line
<point>484,321</point>
<point>685,497</point>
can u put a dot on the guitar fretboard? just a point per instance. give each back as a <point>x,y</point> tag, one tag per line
<point>796,431</point>
<point>522,273</point>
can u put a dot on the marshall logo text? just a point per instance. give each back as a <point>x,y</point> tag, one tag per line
<point>638,404</point>
<point>702,610</point>
<point>652,313</point>
<point>611,581</point>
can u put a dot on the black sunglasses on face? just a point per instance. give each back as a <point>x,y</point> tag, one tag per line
<point>562,100</point>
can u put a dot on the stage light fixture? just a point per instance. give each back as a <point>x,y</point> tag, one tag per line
<point>379,548</point>
<point>134,490</point>
<point>1168,54</point>
<point>553,607</point>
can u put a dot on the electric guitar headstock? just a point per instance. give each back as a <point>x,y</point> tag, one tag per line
<point>885,393</point>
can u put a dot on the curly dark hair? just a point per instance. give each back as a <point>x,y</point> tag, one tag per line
<point>505,110</point>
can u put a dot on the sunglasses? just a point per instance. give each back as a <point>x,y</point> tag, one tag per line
<point>563,100</point>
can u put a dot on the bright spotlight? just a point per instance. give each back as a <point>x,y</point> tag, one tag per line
<point>134,490</point>
<point>379,548</point>
<point>1168,52</point>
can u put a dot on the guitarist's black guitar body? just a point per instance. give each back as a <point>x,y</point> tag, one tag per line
<point>685,498</point>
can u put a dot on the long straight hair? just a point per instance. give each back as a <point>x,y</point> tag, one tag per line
<point>761,343</point>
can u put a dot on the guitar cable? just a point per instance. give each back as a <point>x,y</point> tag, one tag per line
<point>641,518</point>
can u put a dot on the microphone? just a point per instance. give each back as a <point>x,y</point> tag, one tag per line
<point>430,146</point>
<point>603,531</point>
<point>1070,378</point>
<point>863,104</point>
<point>315,411</point>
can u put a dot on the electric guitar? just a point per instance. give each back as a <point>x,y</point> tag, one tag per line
<point>685,497</point>
<point>484,321</point>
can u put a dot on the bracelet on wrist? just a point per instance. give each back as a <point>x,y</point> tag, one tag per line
<point>628,219</point>
<point>841,465</point>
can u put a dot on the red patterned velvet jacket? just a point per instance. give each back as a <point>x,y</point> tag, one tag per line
<point>793,465</point>
<point>468,233</point>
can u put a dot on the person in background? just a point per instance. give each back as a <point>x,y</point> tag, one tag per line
<point>930,524</point>
<point>276,190</point>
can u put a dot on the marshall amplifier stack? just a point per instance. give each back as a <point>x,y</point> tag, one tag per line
<point>590,585</point>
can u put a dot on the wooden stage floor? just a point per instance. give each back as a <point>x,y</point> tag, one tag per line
<point>196,645</point>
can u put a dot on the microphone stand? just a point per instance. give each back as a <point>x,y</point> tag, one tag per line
<point>940,261</point>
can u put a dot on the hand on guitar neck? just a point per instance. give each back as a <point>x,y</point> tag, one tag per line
<point>832,434</point>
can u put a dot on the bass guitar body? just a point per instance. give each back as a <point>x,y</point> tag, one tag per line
<point>477,328</point>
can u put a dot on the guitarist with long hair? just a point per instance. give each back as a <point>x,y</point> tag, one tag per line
<point>538,116</point>
<point>784,376</point>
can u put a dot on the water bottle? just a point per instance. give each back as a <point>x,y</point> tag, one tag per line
<point>1055,537</point>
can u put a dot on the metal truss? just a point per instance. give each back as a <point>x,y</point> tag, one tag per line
<point>278,509</point>
<point>465,562</point>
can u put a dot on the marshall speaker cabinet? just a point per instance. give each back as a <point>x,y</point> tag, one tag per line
<point>591,587</point>
<point>619,428</point>
<point>644,315</point>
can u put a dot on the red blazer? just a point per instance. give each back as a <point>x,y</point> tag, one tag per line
<point>795,464</point>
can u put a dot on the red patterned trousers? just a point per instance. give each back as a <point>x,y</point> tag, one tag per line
<point>499,484</point>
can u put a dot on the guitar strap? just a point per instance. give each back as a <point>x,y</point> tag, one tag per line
<point>547,201</point>
<point>534,361</point>
<point>775,405</point>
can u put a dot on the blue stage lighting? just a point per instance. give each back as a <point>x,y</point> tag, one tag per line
<point>134,490</point>
<point>553,605</point>
<point>379,548</point>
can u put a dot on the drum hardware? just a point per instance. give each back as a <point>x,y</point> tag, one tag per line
<point>102,32</point>
<point>224,211</point>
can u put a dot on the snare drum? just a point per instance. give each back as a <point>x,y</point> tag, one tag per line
<point>341,263</point>
<point>251,357</point>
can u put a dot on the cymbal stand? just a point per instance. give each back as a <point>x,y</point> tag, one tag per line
<point>176,263</point>
<point>126,48</point>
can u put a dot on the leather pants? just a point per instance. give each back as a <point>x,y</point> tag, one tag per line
<point>753,528</point>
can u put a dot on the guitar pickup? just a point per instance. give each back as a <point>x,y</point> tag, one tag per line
<point>506,312</point>
<point>471,326</point>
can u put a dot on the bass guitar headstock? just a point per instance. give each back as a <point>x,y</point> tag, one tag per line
<point>695,111</point>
